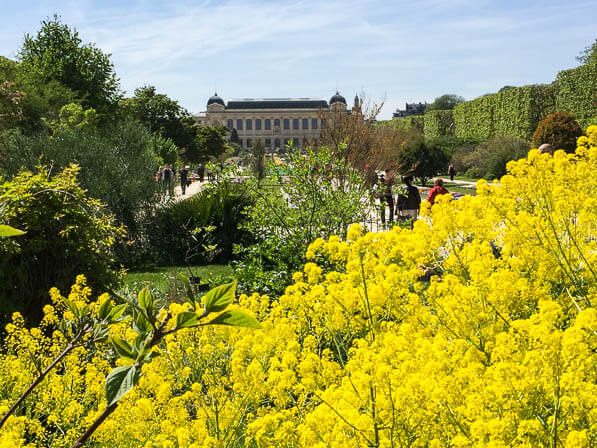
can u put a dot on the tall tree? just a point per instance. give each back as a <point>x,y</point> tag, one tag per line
<point>163,116</point>
<point>57,53</point>
<point>210,142</point>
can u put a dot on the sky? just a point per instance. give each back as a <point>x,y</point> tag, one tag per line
<point>392,51</point>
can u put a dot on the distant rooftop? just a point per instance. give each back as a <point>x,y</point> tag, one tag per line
<point>277,103</point>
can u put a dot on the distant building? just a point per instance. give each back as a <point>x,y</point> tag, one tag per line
<point>411,109</point>
<point>275,121</point>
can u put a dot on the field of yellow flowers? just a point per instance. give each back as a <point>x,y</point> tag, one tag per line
<point>477,328</point>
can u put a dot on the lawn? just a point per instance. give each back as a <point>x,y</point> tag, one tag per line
<point>160,278</point>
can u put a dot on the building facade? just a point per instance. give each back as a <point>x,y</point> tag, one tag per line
<point>410,109</point>
<point>274,121</point>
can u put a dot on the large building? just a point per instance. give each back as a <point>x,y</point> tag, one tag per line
<point>275,121</point>
<point>410,109</point>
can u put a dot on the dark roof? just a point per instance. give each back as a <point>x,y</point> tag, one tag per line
<point>215,99</point>
<point>337,98</point>
<point>277,103</point>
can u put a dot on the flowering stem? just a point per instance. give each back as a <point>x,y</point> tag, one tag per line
<point>38,380</point>
<point>98,421</point>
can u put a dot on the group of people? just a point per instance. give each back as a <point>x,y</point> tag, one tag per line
<point>166,177</point>
<point>407,203</point>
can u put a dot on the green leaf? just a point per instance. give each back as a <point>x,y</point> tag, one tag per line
<point>144,300</point>
<point>122,347</point>
<point>141,323</point>
<point>6,231</point>
<point>220,297</point>
<point>100,333</point>
<point>72,307</point>
<point>104,309</point>
<point>186,319</point>
<point>235,318</point>
<point>115,313</point>
<point>120,381</point>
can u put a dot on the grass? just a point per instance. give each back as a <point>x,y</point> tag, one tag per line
<point>160,278</point>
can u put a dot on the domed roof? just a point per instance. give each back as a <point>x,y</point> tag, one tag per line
<point>337,98</point>
<point>215,100</point>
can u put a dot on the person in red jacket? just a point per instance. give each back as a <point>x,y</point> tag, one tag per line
<point>438,188</point>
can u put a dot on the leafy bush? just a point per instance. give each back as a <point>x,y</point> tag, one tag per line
<point>117,163</point>
<point>422,158</point>
<point>577,90</point>
<point>197,230</point>
<point>489,158</point>
<point>67,233</point>
<point>474,329</point>
<point>319,196</point>
<point>560,130</point>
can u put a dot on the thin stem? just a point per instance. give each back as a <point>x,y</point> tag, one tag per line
<point>39,379</point>
<point>98,421</point>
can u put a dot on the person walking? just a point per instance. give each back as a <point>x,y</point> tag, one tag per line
<point>201,173</point>
<point>184,174</point>
<point>451,171</point>
<point>388,195</point>
<point>438,188</point>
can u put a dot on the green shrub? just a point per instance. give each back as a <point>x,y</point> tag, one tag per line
<point>489,158</point>
<point>67,233</point>
<point>407,124</point>
<point>422,158</point>
<point>197,230</point>
<point>560,130</point>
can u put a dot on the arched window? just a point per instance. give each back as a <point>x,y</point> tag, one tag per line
<point>268,124</point>
<point>286,123</point>
<point>239,125</point>
<point>258,124</point>
<point>249,124</point>
<point>305,123</point>
<point>230,124</point>
<point>313,123</point>
<point>295,123</point>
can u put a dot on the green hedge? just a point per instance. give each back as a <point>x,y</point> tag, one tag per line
<point>514,112</point>
<point>577,93</point>
<point>439,123</point>
<point>407,124</point>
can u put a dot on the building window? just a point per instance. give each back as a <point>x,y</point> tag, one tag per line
<point>277,143</point>
<point>322,123</point>
<point>313,123</point>
<point>240,142</point>
<point>230,124</point>
<point>286,123</point>
<point>277,123</point>
<point>268,142</point>
<point>249,124</point>
<point>295,123</point>
<point>305,123</point>
<point>258,124</point>
<point>239,125</point>
<point>268,124</point>
<point>249,143</point>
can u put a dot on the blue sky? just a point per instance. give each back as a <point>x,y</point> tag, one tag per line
<point>394,51</point>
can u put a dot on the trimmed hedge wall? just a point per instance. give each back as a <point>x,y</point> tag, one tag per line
<point>577,93</point>
<point>514,112</point>
<point>439,123</point>
<point>415,122</point>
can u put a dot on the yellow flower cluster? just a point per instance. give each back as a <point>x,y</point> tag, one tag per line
<point>477,328</point>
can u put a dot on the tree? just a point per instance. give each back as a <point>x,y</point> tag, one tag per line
<point>445,102</point>
<point>257,160</point>
<point>421,158</point>
<point>162,115</point>
<point>57,53</point>
<point>560,130</point>
<point>589,54</point>
<point>210,142</point>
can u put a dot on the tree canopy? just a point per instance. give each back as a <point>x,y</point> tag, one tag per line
<point>445,102</point>
<point>57,53</point>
